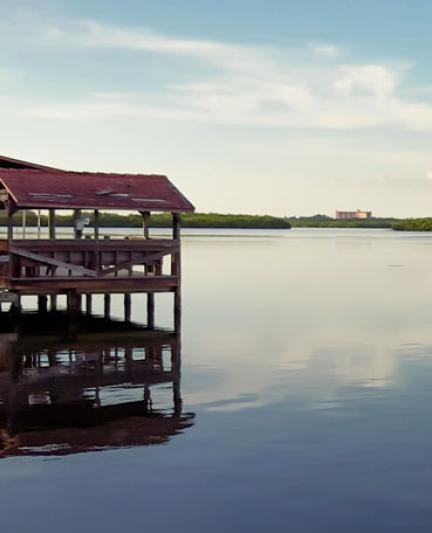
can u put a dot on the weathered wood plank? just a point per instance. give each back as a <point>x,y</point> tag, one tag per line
<point>149,259</point>
<point>53,262</point>
<point>94,285</point>
<point>72,245</point>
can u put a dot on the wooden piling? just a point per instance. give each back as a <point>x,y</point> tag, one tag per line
<point>150,310</point>
<point>16,306</point>
<point>89,304</point>
<point>107,305</point>
<point>76,219</point>
<point>176,224</point>
<point>51,223</point>
<point>42,303</point>
<point>52,360</point>
<point>9,225</point>
<point>128,354</point>
<point>73,302</point>
<point>177,310</point>
<point>96,224</point>
<point>146,224</point>
<point>127,307</point>
<point>176,271</point>
<point>53,302</point>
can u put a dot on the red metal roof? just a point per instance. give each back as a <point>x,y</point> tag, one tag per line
<point>43,189</point>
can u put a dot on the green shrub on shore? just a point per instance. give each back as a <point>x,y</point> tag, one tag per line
<point>163,220</point>
<point>216,220</point>
<point>323,221</point>
<point>413,224</point>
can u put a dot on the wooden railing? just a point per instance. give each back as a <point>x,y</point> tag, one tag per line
<point>111,261</point>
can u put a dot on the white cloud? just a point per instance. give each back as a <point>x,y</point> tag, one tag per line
<point>377,80</point>
<point>249,85</point>
<point>329,51</point>
<point>89,34</point>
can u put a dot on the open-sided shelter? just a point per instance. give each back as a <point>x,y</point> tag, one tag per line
<point>48,265</point>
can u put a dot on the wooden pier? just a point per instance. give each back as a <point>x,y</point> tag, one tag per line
<point>88,263</point>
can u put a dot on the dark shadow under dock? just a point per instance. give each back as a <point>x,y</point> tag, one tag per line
<point>86,388</point>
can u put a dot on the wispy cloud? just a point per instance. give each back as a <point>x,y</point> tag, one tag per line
<point>248,85</point>
<point>330,51</point>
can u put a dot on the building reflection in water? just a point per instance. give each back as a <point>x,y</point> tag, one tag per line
<point>89,391</point>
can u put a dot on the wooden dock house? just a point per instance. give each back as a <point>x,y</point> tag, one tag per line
<point>89,263</point>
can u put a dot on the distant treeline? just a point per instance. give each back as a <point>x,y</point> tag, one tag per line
<point>190,220</point>
<point>324,221</point>
<point>216,220</point>
<point>398,224</point>
<point>413,224</point>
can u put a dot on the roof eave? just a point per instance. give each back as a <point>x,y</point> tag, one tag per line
<point>154,209</point>
<point>28,164</point>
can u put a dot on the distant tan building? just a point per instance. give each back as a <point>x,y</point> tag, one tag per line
<point>346,215</point>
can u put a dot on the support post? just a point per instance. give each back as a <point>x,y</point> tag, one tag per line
<point>42,303</point>
<point>53,302</point>
<point>127,307</point>
<point>51,223</point>
<point>150,310</point>
<point>73,302</point>
<point>175,257</point>
<point>176,271</point>
<point>11,208</point>
<point>177,310</point>
<point>107,305</point>
<point>77,221</point>
<point>24,223</point>
<point>176,222</point>
<point>51,357</point>
<point>96,224</point>
<point>16,306</point>
<point>39,224</point>
<point>146,224</point>
<point>9,224</point>
<point>128,354</point>
<point>89,304</point>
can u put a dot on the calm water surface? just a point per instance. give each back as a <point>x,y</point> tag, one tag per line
<point>306,381</point>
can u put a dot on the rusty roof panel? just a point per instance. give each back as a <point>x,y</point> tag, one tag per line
<point>88,190</point>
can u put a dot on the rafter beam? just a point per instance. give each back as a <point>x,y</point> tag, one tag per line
<point>75,269</point>
<point>147,260</point>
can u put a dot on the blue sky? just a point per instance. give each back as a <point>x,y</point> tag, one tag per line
<point>249,106</point>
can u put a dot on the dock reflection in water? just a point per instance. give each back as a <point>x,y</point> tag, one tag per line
<point>90,391</point>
